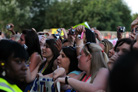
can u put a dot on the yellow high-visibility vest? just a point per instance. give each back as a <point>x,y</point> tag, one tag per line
<point>5,86</point>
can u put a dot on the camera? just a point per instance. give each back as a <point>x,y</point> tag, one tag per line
<point>71,31</point>
<point>8,26</point>
<point>59,31</point>
<point>122,29</point>
<point>57,36</point>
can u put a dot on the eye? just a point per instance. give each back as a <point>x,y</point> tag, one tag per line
<point>63,55</point>
<point>47,46</point>
<point>18,61</point>
<point>125,51</point>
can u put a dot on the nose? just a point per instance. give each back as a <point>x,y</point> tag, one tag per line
<point>43,48</point>
<point>58,58</point>
<point>120,53</point>
<point>24,66</point>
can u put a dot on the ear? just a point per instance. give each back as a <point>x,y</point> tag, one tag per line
<point>89,57</point>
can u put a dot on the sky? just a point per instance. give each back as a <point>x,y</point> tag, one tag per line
<point>133,5</point>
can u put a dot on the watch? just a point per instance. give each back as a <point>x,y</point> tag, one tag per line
<point>66,79</point>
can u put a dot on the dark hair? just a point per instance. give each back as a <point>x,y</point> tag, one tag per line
<point>122,41</point>
<point>51,43</point>
<point>32,41</point>
<point>70,52</point>
<point>124,75</point>
<point>10,48</point>
<point>90,36</point>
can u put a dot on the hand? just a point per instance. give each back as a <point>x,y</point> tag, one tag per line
<point>97,34</point>
<point>11,27</point>
<point>114,58</point>
<point>119,34</point>
<point>80,29</point>
<point>61,80</point>
<point>60,72</point>
<point>39,75</point>
<point>135,22</point>
<point>58,44</point>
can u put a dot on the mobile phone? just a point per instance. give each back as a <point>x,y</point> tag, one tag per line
<point>8,26</point>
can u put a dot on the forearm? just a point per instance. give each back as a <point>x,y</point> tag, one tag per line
<point>79,46</point>
<point>31,75</point>
<point>81,86</point>
<point>13,32</point>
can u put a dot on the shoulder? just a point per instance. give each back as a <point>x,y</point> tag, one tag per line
<point>75,72</point>
<point>35,55</point>
<point>103,72</point>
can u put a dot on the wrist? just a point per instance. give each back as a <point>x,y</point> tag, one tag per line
<point>66,79</point>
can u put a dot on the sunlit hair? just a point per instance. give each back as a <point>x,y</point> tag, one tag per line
<point>107,44</point>
<point>98,58</point>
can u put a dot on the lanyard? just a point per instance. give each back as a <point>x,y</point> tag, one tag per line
<point>44,68</point>
<point>85,78</point>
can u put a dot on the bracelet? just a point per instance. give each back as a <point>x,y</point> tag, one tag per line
<point>66,79</point>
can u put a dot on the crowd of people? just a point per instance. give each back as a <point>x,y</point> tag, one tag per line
<point>81,60</point>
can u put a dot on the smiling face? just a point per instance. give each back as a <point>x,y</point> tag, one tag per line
<point>16,69</point>
<point>63,61</point>
<point>47,52</point>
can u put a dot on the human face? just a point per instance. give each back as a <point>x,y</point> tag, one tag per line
<point>111,53</point>
<point>16,69</point>
<point>46,51</point>
<point>63,61</point>
<point>124,48</point>
<point>82,58</point>
<point>22,39</point>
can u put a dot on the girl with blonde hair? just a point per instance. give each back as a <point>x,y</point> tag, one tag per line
<point>95,72</point>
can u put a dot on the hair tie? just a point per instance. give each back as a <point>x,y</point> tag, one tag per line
<point>102,51</point>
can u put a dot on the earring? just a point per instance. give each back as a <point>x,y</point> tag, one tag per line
<point>3,73</point>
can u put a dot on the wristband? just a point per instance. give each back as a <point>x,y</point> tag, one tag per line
<point>66,79</point>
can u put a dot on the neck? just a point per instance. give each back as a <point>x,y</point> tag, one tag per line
<point>67,71</point>
<point>88,73</point>
<point>88,70</point>
<point>49,59</point>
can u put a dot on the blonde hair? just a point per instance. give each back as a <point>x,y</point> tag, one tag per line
<point>98,58</point>
<point>107,44</point>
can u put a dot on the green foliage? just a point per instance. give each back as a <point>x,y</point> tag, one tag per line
<point>14,11</point>
<point>46,14</point>
<point>134,16</point>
